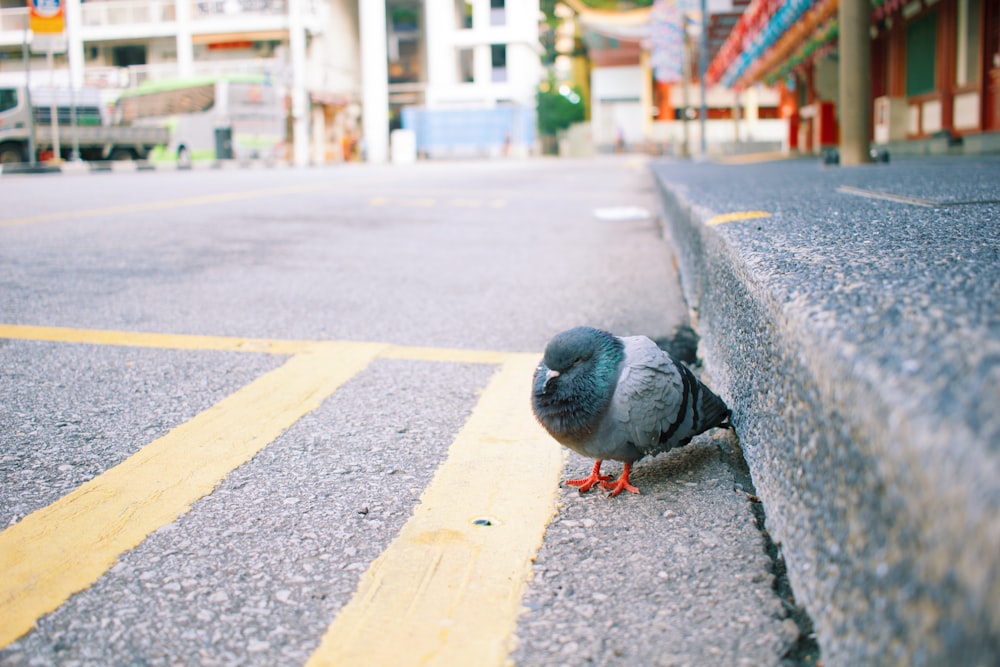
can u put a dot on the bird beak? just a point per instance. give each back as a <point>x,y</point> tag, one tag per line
<point>550,375</point>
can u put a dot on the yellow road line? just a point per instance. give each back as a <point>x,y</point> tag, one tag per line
<point>756,158</point>
<point>454,355</point>
<point>736,216</point>
<point>448,591</point>
<point>65,547</point>
<point>162,204</point>
<point>158,340</point>
<point>232,343</point>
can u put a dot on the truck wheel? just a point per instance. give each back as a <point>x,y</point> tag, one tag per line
<point>122,154</point>
<point>11,154</point>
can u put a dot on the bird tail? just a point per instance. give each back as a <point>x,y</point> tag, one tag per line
<point>712,411</point>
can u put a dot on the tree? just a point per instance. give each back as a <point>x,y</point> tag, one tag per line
<point>559,106</point>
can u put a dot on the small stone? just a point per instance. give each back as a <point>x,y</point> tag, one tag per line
<point>257,646</point>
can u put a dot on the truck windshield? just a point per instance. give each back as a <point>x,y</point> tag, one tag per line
<point>8,98</point>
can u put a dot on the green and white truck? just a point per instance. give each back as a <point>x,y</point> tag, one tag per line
<point>82,125</point>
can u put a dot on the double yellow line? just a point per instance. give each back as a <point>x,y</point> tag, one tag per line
<point>446,591</point>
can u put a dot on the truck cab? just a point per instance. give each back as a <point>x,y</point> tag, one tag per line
<point>13,126</point>
<point>78,121</point>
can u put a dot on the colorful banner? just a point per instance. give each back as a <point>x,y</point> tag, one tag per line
<point>47,16</point>
<point>667,41</point>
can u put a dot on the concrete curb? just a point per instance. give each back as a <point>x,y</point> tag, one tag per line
<point>883,501</point>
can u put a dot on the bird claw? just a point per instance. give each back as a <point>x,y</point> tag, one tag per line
<point>587,483</point>
<point>621,484</point>
<point>616,487</point>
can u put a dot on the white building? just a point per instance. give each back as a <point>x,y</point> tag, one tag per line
<point>348,67</point>
<point>469,70</point>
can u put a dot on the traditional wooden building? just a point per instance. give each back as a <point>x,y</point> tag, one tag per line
<point>935,73</point>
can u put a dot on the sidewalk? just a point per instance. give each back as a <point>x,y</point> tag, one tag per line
<point>850,316</point>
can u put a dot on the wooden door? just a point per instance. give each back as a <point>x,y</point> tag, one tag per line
<point>991,69</point>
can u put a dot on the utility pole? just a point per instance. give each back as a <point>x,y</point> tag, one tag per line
<point>26,56</point>
<point>702,67</point>
<point>855,81</point>
<point>685,93</point>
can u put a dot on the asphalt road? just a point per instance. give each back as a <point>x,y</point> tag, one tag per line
<point>247,416</point>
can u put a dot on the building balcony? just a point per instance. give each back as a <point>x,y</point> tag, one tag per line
<point>12,24</point>
<point>134,75</point>
<point>107,20</point>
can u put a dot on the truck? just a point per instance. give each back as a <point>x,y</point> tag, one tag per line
<point>91,130</point>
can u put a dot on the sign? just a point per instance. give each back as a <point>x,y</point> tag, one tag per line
<point>47,16</point>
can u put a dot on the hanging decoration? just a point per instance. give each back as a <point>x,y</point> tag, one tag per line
<point>774,38</point>
<point>667,41</point>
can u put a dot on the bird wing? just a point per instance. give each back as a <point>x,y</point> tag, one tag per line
<point>649,399</point>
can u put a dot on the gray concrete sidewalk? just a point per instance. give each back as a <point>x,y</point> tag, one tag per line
<point>854,328</point>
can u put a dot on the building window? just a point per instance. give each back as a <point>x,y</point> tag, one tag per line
<point>466,65</point>
<point>404,20</point>
<point>498,13</point>
<point>967,44</point>
<point>406,67</point>
<point>498,54</point>
<point>126,56</point>
<point>921,52</point>
<point>463,14</point>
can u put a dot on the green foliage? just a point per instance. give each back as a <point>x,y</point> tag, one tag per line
<point>548,7</point>
<point>556,110</point>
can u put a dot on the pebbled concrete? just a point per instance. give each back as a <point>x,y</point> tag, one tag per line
<point>857,339</point>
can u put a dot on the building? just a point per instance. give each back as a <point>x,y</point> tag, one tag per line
<point>346,68</point>
<point>463,79</point>
<point>935,68</point>
<point>631,109</point>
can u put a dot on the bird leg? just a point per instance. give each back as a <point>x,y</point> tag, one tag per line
<point>621,484</point>
<point>588,483</point>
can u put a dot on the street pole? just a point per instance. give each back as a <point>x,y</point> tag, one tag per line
<point>685,84</point>
<point>855,81</point>
<point>53,104</point>
<point>702,67</point>
<point>26,56</point>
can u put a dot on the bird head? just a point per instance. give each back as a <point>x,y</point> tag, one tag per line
<point>572,357</point>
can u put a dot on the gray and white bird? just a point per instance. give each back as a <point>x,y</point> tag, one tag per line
<point>607,397</point>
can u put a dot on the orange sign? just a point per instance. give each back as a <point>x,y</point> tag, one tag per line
<point>46,16</point>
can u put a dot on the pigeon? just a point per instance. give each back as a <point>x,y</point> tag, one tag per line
<point>619,398</point>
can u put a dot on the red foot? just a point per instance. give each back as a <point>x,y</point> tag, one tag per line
<point>616,487</point>
<point>587,483</point>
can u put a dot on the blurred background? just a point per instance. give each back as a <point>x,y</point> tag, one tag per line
<point>321,81</point>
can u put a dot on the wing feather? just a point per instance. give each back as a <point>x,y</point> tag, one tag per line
<point>650,397</point>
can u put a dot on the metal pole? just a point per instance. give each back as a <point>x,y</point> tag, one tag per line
<point>736,121</point>
<point>702,66</point>
<point>53,106</point>
<point>75,155</point>
<point>855,81</point>
<point>685,83</point>
<point>74,132</point>
<point>26,55</point>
